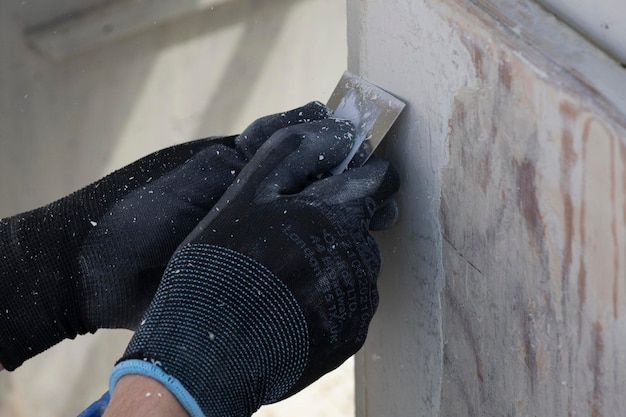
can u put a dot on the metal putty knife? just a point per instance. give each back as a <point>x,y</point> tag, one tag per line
<point>372,111</point>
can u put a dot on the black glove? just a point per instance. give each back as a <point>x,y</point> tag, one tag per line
<point>94,258</point>
<point>276,286</point>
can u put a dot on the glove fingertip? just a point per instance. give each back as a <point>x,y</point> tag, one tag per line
<point>390,181</point>
<point>385,217</point>
<point>251,139</point>
<point>316,110</point>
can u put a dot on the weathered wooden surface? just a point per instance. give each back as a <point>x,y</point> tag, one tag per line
<point>504,290</point>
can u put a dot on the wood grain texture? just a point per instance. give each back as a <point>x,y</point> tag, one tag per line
<point>504,291</point>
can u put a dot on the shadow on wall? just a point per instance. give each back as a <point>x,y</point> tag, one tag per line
<point>60,114</point>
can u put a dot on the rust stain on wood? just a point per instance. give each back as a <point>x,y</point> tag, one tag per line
<point>477,54</point>
<point>484,169</point>
<point>505,73</point>
<point>594,130</point>
<point>542,360</point>
<point>568,157</point>
<point>457,118</point>
<point>443,219</point>
<point>527,199</point>
<point>614,232</point>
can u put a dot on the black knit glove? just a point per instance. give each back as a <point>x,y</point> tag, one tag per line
<point>94,258</point>
<point>276,286</point>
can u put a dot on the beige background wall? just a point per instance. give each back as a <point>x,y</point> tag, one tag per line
<point>64,124</point>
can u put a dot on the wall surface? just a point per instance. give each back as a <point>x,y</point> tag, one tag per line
<point>503,291</point>
<point>600,21</point>
<point>67,122</point>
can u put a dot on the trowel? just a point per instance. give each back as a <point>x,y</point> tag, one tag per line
<point>371,110</point>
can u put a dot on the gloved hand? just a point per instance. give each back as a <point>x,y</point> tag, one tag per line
<point>94,258</point>
<point>276,286</point>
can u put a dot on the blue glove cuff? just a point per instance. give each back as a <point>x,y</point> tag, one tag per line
<point>151,370</point>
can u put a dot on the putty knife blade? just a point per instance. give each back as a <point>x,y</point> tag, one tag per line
<point>371,109</point>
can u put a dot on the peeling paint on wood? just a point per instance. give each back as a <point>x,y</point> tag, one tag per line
<point>515,175</point>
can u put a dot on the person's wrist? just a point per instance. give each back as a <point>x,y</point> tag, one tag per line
<point>153,371</point>
<point>139,395</point>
